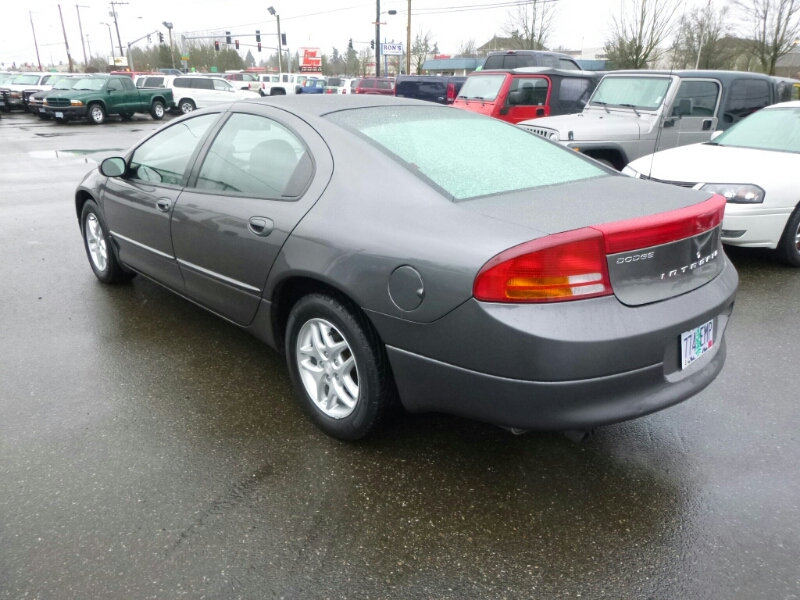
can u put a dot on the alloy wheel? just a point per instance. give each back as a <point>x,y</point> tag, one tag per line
<point>797,238</point>
<point>327,368</point>
<point>96,242</point>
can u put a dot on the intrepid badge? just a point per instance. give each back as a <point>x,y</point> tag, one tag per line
<point>690,267</point>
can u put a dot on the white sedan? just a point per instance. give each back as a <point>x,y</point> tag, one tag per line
<point>755,165</point>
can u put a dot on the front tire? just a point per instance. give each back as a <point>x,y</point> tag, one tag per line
<point>157,110</point>
<point>97,243</point>
<point>186,106</point>
<point>338,366</point>
<point>96,114</point>
<point>788,251</point>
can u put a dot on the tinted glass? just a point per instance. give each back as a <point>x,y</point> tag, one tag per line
<point>423,140</point>
<point>201,83</point>
<point>334,81</point>
<point>182,82</point>
<point>548,60</point>
<point>154,82</point>
<point>368,83</point>
<point>568,65</point>
<point>221,85</point>
<point>482,87</point>
<point>256,157</point>
<point>772,129</point>
<point>572,94</point>
<point>164,157</point>
<point>703,95</point>
<point>45,79</point>
<point>494,62</point>
<point>127,84</point>
<point>114,85</point>
<point>642,92</point>
<point>746,96</point>
<point>532,91</point>
<point>384,85</point>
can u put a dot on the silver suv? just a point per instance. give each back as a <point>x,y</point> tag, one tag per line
<point>635,113</point>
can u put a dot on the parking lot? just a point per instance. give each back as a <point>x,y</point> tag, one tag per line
<point>152,450</point>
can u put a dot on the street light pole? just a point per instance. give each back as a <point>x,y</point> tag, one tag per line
<point>168,25</point>
<point>408,41</point>
<point>35,43</point>
<point>272,11</point>
<point>378,38</point>
<point>66,43</point>
<point>110,39</point>
<point>78,8</point>
<point>116,25</point>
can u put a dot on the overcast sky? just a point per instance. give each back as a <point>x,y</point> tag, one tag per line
<point>579,23</point>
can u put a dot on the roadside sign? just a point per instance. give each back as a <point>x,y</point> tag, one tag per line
<point>214,69</point>
<point>117,61</point>
<point>392,49</point>
<point>184,57</point>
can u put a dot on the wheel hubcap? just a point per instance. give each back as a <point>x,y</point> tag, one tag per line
<point>187,108</point>
<point>797,238</point>
<point>159,110</point>
<point>327,368</point>
<point>97,115</point>
<point>96,242</point>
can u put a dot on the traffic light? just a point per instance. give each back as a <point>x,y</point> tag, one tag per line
<point>372,44</point>
<point>259,46</point>
<point>160,38</point>
<point>258,35</point>
<point>350,44</point>
<point>228,38</point>
<point>216,45</point>
<point>283,39</point>
<point>237,44</point>
<point>148,39</point>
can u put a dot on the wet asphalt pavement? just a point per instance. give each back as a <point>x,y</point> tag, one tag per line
<point>151,450</point>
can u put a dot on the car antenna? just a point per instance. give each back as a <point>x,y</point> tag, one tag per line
<point>658,135</point>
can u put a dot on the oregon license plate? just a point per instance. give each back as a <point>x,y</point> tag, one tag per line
<point>696,342</point>
<point>41,110</point>
<point>59,115</point>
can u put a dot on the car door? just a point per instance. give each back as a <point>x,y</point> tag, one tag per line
<point>203,92</point>
<point>223,92</point>
<point>703,94</point>
<point>533,95</point>
<point>258,176</point>
<point>131,101</point>
<point>115,96</point>
<point>137,206</point>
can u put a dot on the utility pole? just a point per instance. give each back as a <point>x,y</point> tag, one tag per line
<point>378,38</point>
<point>168,25</point>
<point>35,43</point>
<point>78,8</point>
<point>271,10</point>
<point>88,45</point>
<point>66,43</point>
<point>408,41</point>
<point>114,4</point>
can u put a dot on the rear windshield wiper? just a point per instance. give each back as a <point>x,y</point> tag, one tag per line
<point>603,104</point>
<point>633,107</point>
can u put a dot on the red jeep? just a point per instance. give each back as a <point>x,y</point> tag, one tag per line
<point>516,95</point>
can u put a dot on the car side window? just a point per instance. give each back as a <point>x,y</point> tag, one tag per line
<point>127,84</point>
<point>221,85</point>
<point>256,157</point>
<point>114,85</point>
<point>368,83</point>
<point>182,82</point>
<point>164,157</point>
<point>573,94</point>
<point>567,64</point>
<point>384,85</point>
<point>285,78</point>
<point>154,82</point>
<point>533,90</point>
<point>703,94</point>
<point>746,96</point>
<point>201,83</point>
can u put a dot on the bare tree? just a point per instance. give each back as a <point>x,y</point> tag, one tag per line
<point>420,49</point>
<point>775,25</point>
<point>365,56</point>
<point>703,39</point>
<point>467,49</point>
<point>530,24</point>
<point>639,31</point>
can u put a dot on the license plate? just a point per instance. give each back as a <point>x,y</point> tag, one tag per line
<point>696,342</point>
<point>41,110</point>
<point>59,115</point>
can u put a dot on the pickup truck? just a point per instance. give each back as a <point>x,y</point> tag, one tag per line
<point>442,90</point>
<point>97,97</point>
<point>281,84</point>
<point>635,113</point>
<point>518,95</point>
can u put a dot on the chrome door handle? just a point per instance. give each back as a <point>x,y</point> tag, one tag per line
<point>163,204</point>
<point>260,226</point>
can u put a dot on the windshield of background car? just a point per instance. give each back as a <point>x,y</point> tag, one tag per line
<point>94,84</point>
<point>463,154</point>
<point>26,80</point>
<point>642,92</point>
<point>482,87</point>
<point>66,84</point>
<point>773,129</point>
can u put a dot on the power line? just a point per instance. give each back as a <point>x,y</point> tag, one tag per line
<point>472,7</point>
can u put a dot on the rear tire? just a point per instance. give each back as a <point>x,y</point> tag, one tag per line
<point>333,351</point>
<point>98,246</point>
<point>186,106</point>
<point>96,114</point>
<point>788,250</point>
<point>157,110</point>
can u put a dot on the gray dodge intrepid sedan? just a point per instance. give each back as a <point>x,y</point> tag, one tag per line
<point>398,249</point>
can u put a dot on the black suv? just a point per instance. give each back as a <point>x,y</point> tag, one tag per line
<point>432,88</point>
<point>517,59</point>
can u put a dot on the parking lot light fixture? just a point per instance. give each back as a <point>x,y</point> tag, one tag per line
<point>168,25</point>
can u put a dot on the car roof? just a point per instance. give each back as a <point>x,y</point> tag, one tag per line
<point>543,71</point>
<point>318,105</point>
<point>700,74</point>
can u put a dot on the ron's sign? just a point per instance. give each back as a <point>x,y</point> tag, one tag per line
<point>392,49</point>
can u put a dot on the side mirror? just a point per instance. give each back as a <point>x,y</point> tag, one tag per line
<point>716,134</point>
<point>684,107</point>
<point>113,167</point>
<point>514,98</point>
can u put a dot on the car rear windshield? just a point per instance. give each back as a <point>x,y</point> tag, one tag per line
<point>462,154</point>
<point>772,129</point>
<point>334,81</point>
<point>93,84</point>
<point>642,92</point>
<point>482,87</point>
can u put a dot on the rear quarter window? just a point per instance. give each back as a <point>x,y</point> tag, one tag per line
<point>182,82</point>
<point>745,97</point>
<point>464,155</point>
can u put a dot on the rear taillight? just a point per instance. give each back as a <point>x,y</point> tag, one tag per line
<point>564,266</point>
<point>451,92</point>
<point>573,265</point>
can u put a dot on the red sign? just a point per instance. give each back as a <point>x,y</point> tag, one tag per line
<point>440,56</point>
<point>310,60</point>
